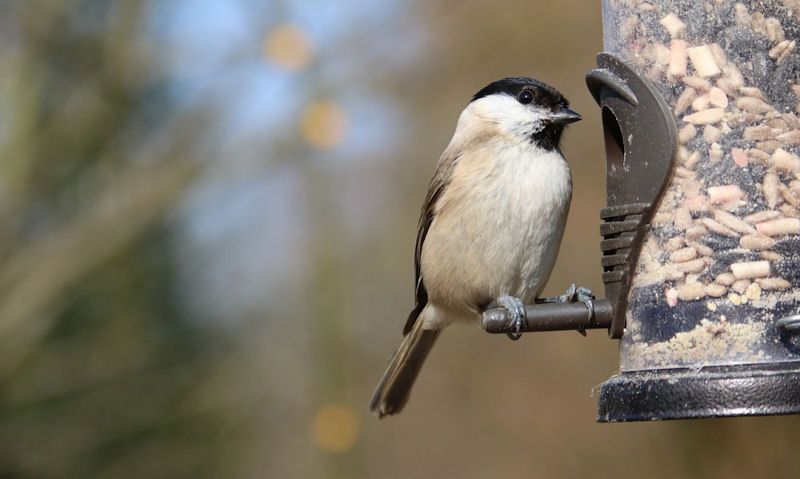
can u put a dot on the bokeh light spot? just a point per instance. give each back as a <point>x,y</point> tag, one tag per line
<point>288,47</point>
<point>335,428</point>
<point>324,125</point>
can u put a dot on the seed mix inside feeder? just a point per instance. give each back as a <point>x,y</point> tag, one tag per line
<point>719,265</point>
<point>729,72</point>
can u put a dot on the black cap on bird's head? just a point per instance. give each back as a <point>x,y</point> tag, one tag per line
<point>540,95</point>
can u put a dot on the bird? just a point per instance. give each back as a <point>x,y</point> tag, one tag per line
<point>491,223</point>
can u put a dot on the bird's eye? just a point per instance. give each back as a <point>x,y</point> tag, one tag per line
<point>525,97</point>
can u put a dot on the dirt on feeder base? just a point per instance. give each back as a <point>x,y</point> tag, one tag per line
<point>709,342</point>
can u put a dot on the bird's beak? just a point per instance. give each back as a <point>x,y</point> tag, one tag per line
<point>565,117</point>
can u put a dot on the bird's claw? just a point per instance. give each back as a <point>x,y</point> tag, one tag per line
<point>569,294</point>
<point>516,310</point>
<point>575,294</point>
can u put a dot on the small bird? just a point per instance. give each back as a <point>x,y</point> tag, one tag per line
<point>491,223</point>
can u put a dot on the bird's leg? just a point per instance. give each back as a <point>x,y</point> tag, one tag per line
<point>516,310</point>
<point>574,294</point>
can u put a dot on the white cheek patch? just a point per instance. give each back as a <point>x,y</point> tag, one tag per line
<point>510,115</point>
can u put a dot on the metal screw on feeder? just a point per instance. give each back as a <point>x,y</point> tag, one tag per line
<point>701,235</point>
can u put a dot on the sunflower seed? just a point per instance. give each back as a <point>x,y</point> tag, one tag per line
<point>779,227</point>
<point>740,157</point>
<point>783,49</point>
<point>774,30</point>
<point>697,83</point>
<point>712,134</point>
<point>753,105</point>
<point>768,146</point>
<point>718,228</point>
<point>694,266</point>
<point>757,133</point>
<point>715,290</point>
<point>752,92</point>
<point>673,25</point>
<point>683,254</point>
<point>750,269</point>
<point>770,188</point>
<point>760,216</point>
<point>756,242</point>
<point>790,137</point>
<point>696,232</point>
<point>684,100</point>
<point>705,117</point>
<point>724,194</point>
<point>761,157</point>
<point>725,279</point>
<point>691,291</point>
<point>773,284</point>
<point>687,133</point>
<point>730,221</point>
<point>788,195</point>
<point>785,161</point>
<point>701,102</point>
<point>678,60</point>
<point>718,97</point>
<point>703,61</point>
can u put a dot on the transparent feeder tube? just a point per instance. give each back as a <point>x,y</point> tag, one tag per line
<point>720,264</point>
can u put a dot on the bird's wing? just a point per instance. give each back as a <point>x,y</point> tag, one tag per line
<point>439,182</point>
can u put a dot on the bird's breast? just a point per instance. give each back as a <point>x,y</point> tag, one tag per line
<point>529,200</point>
<point>499,225</point>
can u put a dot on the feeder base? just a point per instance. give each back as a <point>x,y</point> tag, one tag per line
<point>713,391</point>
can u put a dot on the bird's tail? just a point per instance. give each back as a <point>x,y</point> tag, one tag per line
<point>394,387</point>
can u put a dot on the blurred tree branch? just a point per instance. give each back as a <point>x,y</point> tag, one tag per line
<point>96,360</point>
<point>33,282</point>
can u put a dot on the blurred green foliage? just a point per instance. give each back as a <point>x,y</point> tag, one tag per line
<point>97,362</point>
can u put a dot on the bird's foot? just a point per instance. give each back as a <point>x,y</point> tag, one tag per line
<point>575,294</point>
<point>516,310</point>
<point>580,294</point>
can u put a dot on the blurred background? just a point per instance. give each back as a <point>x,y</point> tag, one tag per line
<point>207,217</point>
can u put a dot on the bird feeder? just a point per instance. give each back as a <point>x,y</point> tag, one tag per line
<point>701,233</point>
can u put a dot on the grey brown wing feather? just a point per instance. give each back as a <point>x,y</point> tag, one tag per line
<point>439,182</point>
<point>395,385</point>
